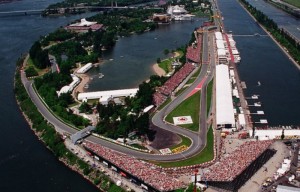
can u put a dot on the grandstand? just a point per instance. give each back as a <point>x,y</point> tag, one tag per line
<point>235,169</point>
<point>147,175</point>
<point>170,85</point>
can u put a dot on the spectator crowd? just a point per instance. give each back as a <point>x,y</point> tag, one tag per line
<point>164,91</point>
<point>235,163</point>
<point>147,172</point>
<point>193,51</point>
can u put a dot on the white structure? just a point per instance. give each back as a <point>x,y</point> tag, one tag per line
<point>85,68</point>
<point>281,188</point>
<point>218,35</point>
<point>106,95</point>
<point>178,13</point>
<point>70,87</point>
<point>220,44</point>
<point>83,23</point>
<point>224,103</point>
<point>222,57</point>
<point>148,108</point>
<point>242,120</point>
<point>270,134</point>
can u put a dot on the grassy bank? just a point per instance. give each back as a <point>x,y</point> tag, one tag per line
<point>209,95</point>
<point>184,141</point>
<point>189,107</point>
<point>296,3</point>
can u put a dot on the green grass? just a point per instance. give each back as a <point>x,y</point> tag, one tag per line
<point>191,80</point>
<point>189,107</point>
<point>296,3</point>
<point>207,154</point>
<point>184,141</point>
<point>196,73</point>
<point>40,71</point>
<point>165,103</point>
<point>208,95</point>
<point>181,90</point>
<point>165,65</point>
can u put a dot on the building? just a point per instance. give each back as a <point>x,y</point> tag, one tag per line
<point>105,96</point>
<point>71,86</point>
<point>84,26</point>
<point>178,13</point>
<point>85,68</point>
<point>224,104</point>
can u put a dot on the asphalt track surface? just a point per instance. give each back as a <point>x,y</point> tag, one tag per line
<point>198,138</point>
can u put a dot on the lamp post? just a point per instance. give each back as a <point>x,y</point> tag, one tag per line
<point>195,186</point>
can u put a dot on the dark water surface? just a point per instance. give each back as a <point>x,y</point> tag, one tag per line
<point>25,163</point>
<point>130,61</point>
<point>262,60</point>
<point>283,19</point>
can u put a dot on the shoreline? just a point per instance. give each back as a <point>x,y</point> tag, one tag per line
<point>271,36</point>
<point>158,71</point>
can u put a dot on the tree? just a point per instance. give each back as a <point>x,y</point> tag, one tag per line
<point>158,60</point>
<point>166,51</point>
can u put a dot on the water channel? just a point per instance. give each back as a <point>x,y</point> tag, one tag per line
<point>262,60</point>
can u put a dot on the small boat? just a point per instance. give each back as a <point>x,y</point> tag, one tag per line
<point>86,86</point>
<point>258,83</point>
<point>101,75</point>
<point>111,59</point>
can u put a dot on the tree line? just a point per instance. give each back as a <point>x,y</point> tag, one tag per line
<point>282,36</point>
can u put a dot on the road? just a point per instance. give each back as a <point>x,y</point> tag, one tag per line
<point>198,138</point>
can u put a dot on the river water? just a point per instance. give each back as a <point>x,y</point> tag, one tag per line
<point>262,60</point>
<point>279,16</point>
<point>26,165</point>
<point>131,60</point>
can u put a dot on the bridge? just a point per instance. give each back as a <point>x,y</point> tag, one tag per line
<point>95,8</point>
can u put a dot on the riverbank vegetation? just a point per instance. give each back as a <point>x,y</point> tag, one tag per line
<point>52,139</point>
<point>189,107</point>
<point>295,3</point>
<point>281,36</point>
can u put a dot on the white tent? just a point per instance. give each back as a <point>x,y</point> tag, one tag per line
<point>224,103</point>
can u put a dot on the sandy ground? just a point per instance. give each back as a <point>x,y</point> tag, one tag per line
<point>84,80</point>
<point>159,71</point>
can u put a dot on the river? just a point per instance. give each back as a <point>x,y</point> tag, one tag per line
<point>262,60</point>
<point>25,163</point>
<point>283,19</point>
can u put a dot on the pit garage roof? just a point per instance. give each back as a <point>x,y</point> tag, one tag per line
<point>218,35</point>
<point>111,93</point>
<point>224,109</point>
<point>220,44</point>
<point>221,52</point>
